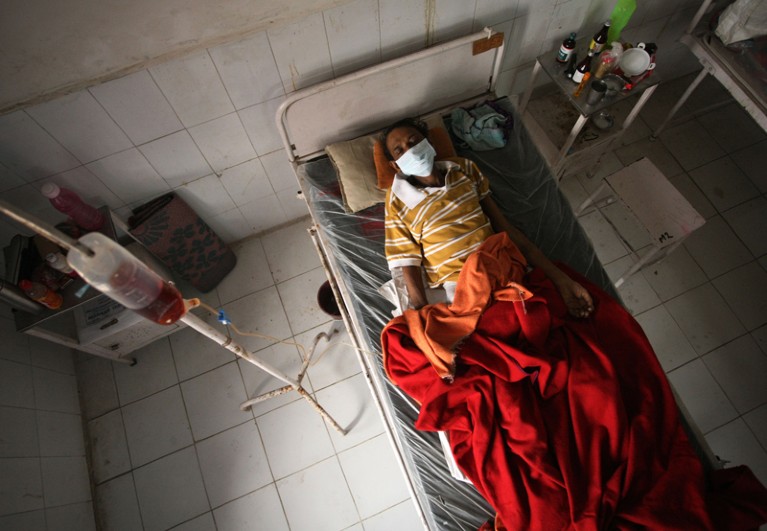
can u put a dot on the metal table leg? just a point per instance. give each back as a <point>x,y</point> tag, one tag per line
<point>530,87</point>
<point>687,93</point>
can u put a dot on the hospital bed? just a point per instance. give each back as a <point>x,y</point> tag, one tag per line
<point>741,69</point>
<point>427,84</point>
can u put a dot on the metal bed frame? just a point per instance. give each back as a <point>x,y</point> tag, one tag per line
<point>361,103</point>
<point>748,91</point>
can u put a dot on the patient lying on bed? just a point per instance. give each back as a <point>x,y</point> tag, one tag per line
<point>438,213</point>
<point>552,399</point>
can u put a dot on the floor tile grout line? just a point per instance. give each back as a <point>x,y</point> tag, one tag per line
<point>349,488</point>
<point>707,280</point>
<point>721,385</point>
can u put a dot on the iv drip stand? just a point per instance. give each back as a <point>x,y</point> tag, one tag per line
<point>63,240</point>
<point>205,329</point>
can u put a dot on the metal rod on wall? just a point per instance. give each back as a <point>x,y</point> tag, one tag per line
<point>42,228</point>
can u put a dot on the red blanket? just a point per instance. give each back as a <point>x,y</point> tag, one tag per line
<point>564,423</point>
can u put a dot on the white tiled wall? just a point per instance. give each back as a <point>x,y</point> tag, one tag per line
<point>203,124</point>
<point>43,470</point>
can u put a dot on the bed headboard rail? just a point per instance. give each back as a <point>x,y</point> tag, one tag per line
<point>369,99</point>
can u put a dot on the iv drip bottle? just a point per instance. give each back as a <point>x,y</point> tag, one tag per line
<point>69,203</point>
<point>114,271</point>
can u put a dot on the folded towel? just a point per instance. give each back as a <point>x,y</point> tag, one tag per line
<point>482,128</point>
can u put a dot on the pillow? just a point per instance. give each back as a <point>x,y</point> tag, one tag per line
<point>363,170</point>
<point>439,139</point>
<point>356,171</point>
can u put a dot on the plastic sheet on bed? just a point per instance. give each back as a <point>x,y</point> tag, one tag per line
<point>527,193</point>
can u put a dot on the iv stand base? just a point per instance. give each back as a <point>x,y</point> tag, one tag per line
<point>207,330</point>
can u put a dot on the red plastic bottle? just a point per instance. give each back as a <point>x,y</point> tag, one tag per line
<point>69,203</point>
<point>43,295</point>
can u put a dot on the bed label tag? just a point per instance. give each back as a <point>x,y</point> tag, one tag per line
<point>482,45</point>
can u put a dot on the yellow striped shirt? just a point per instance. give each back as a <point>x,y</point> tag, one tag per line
<point>437,227</point>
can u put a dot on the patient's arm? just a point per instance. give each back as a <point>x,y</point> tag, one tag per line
<point>576,297</point>
<point>414,285</point>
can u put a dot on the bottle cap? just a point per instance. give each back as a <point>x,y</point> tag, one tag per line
<point>25,284</point>
<point>50,190</point>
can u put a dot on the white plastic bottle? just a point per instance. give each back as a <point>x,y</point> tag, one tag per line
<point>58,262</point>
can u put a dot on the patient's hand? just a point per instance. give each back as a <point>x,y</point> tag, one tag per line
<point>577,299</point>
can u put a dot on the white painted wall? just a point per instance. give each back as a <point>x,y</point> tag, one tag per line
<point>202,123</point>
<point>50,47</point>
<point>43,468</point>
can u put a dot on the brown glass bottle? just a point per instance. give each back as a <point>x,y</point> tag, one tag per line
<point>600,38</point>
<point>583,67</point>
<point>566,49</point>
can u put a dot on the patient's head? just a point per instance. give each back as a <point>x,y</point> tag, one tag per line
<point>401,136</point>
<point>407,148</point>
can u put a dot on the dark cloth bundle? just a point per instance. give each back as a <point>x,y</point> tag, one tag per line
<point>175,234</point>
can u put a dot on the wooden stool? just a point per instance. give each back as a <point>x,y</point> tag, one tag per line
<point>662,211</point>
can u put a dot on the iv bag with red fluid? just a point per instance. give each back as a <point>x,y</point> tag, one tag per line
<point>114,271</point>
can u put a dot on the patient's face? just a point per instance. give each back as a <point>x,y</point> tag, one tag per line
<point>401,139</point>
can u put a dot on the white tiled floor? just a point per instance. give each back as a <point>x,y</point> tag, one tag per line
<point>173,450</point>
<point>704,308</point>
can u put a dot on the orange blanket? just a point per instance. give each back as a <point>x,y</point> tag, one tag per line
<point>491,272</point>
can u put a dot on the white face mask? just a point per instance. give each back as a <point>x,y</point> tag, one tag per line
<point>418,160</point>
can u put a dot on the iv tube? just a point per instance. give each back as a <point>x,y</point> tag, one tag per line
<point>114,271</point>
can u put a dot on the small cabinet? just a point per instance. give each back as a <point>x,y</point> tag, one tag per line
<point>91,322</point>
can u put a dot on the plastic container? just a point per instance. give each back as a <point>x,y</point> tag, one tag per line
<point>68,202</point>
<point>45,296</point>
<point>596,93</point>
<point>608,60</point>
<point>114,271</point>
<point>582,85</point>
<point>59,263</point>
